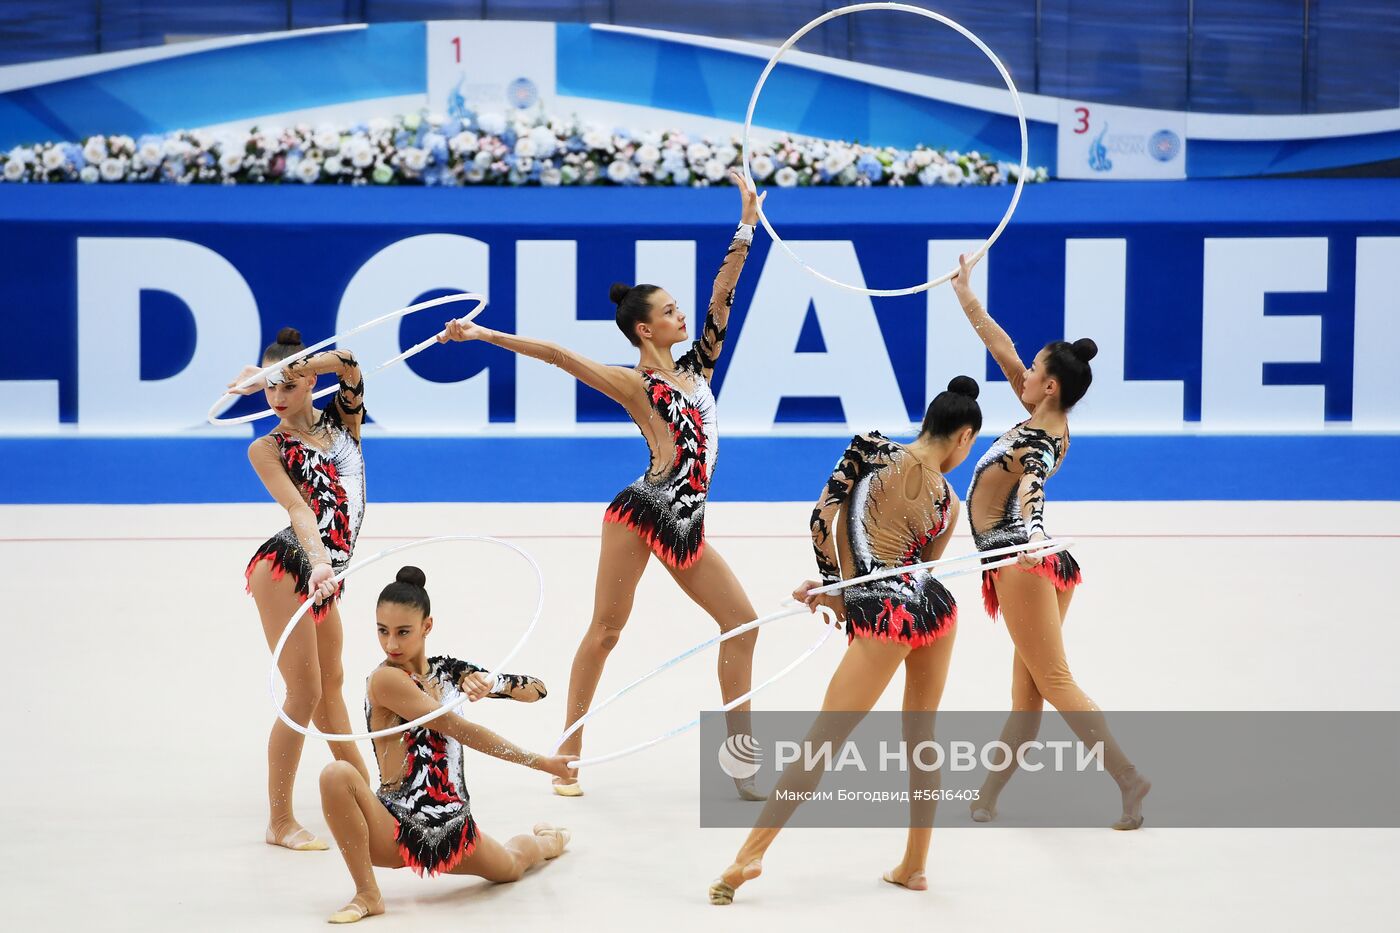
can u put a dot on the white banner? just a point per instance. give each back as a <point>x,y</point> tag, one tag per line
<point>489,67</point>
<point>1099,141</point>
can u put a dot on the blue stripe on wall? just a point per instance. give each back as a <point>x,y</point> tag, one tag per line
<point>751,469</point>
<point>234,83</point>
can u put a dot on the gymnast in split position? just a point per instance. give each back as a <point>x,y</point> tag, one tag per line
<point>312,466</point>
<point>1005,506</point>
<point>663,511</point>
<point>886,505</point>
<point>420,817</point>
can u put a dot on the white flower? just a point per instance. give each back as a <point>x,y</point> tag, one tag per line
<point>95,149</point>
<point>123,145</point>
<point>413,158</point>
<point>619,171</point>
<point>89,174</point>
<point>715,170</point>
<point>150,153</point>
<point>230,162</point>
<point>597,139</point>
<point>22,154</point>
<point>930,175</point>
<point>726,154</point>
<point>436,119</point>
<point>681,176</point>
<point>525,147</point>
<point>761,167</point>
<point>112,169</point>
<point>174,148</point>
<point>953,174</point>
<point>697,153</point>
<point>551,177</point>
<point>786,177</point>
<point>380,125</point>
<point>308,170</point>
<point>464,141</point>
<point>334,166</point>
<point>568,174</point>
<point>14,170</point>
<point>560,126</point>
<point>648,154</point>
<point>524,165</point>
<point>492,123</point>
<point>482,160</point>
<point>817,151</point>
<point>921,158</point>
<point>476,175</point>
<point>545,140</point>
<point>327,139</point>
<point>361,153</point>
<point>648,138</point>
<point>838,161</point>
<point>53,158</point>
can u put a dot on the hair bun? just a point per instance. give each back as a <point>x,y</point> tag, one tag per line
<point>1085,349</point>
<point>289,336</point>
<point>412,576</point>
<point>964,385</point>
<point>618,292</point>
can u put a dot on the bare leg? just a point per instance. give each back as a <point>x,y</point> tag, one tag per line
<point>331,715</point>
<point>504,863</point>
<point>864,672</point>
<point>925,674</point>
<point>364,832</point>
<point>1022,726</point>
<point>620,565</point>
<point>712,585</point>
<point>1032,617</point>
<point>277,602</point>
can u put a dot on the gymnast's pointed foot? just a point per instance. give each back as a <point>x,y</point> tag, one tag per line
<point>911,878</point>
<point>567,788</point>
<point>723,888</point>
<point>553,839</point>
<point>748,790</point>
<point>292,835</point>
<point>1134,787</point>
<point>984,810</point>
<point>362,905</point>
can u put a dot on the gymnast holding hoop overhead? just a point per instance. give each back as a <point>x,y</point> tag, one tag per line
<point>885,505</point>
<point>312,466</point>
<point>663,511</point>
<point>420,817</point>
<point>1006,505</point>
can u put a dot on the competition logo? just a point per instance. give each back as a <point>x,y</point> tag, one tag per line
<point>740,756</point>
<point>1164,145</point>
<point>523,93</point>
<point>1098,153</point>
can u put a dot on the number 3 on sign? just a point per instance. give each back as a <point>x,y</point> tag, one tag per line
<point>457,48</point>
<point>1081,112</point>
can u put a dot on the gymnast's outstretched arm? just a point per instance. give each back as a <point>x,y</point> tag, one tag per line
<point>395,690</point>
<point>711,342</point>
<point>998,342</point>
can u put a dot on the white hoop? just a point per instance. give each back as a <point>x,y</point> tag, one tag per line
<point>445,708</point>
<point>832,624</point>
<point>1015,99</point>
<point>228,398</point>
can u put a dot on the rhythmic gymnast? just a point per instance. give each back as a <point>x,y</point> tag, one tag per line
<point>1006,505</point>
<point>886,505</point>
<point>312,466</point>
<point>420,817</point>
<point>663,511</point>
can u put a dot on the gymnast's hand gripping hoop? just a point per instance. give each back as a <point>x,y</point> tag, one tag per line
<point>446,707</point>
<point>228,398</point>
<point>944,568</point>
<point>1015,101</point>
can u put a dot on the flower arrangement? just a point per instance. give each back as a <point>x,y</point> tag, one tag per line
<point>487,149</point>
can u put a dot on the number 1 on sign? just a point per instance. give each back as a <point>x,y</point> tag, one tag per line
<point>457,46</point>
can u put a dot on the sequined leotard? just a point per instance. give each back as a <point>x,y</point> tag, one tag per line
<point>895,505</point>
<point>332,482</point>
<point>427,794</point>
<point>1006,503</point>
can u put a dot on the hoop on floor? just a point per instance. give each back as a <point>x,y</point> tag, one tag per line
<point>305,607</point>
<point>228,398</point>
<point>1015,100</point>
<point>830,624</point>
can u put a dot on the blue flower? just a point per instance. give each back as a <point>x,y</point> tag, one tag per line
<point>508,137</point>
<point>74,154</point>
<point>575,144</point>
<point>870,167</point>
<point>401,139</point>
<point>451,128</point>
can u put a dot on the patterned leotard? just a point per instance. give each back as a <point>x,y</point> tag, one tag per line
<point>894,506</point>
<point>1006,503</point>
<point>666,505</point>
<point>428,798</point>
<point>333,484</point>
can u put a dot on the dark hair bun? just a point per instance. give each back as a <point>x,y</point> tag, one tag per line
<point>1085,349</point>
<point>412,576</point>
<point>289,336</point>
<point>964,385</point>
<point>618,292</point>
